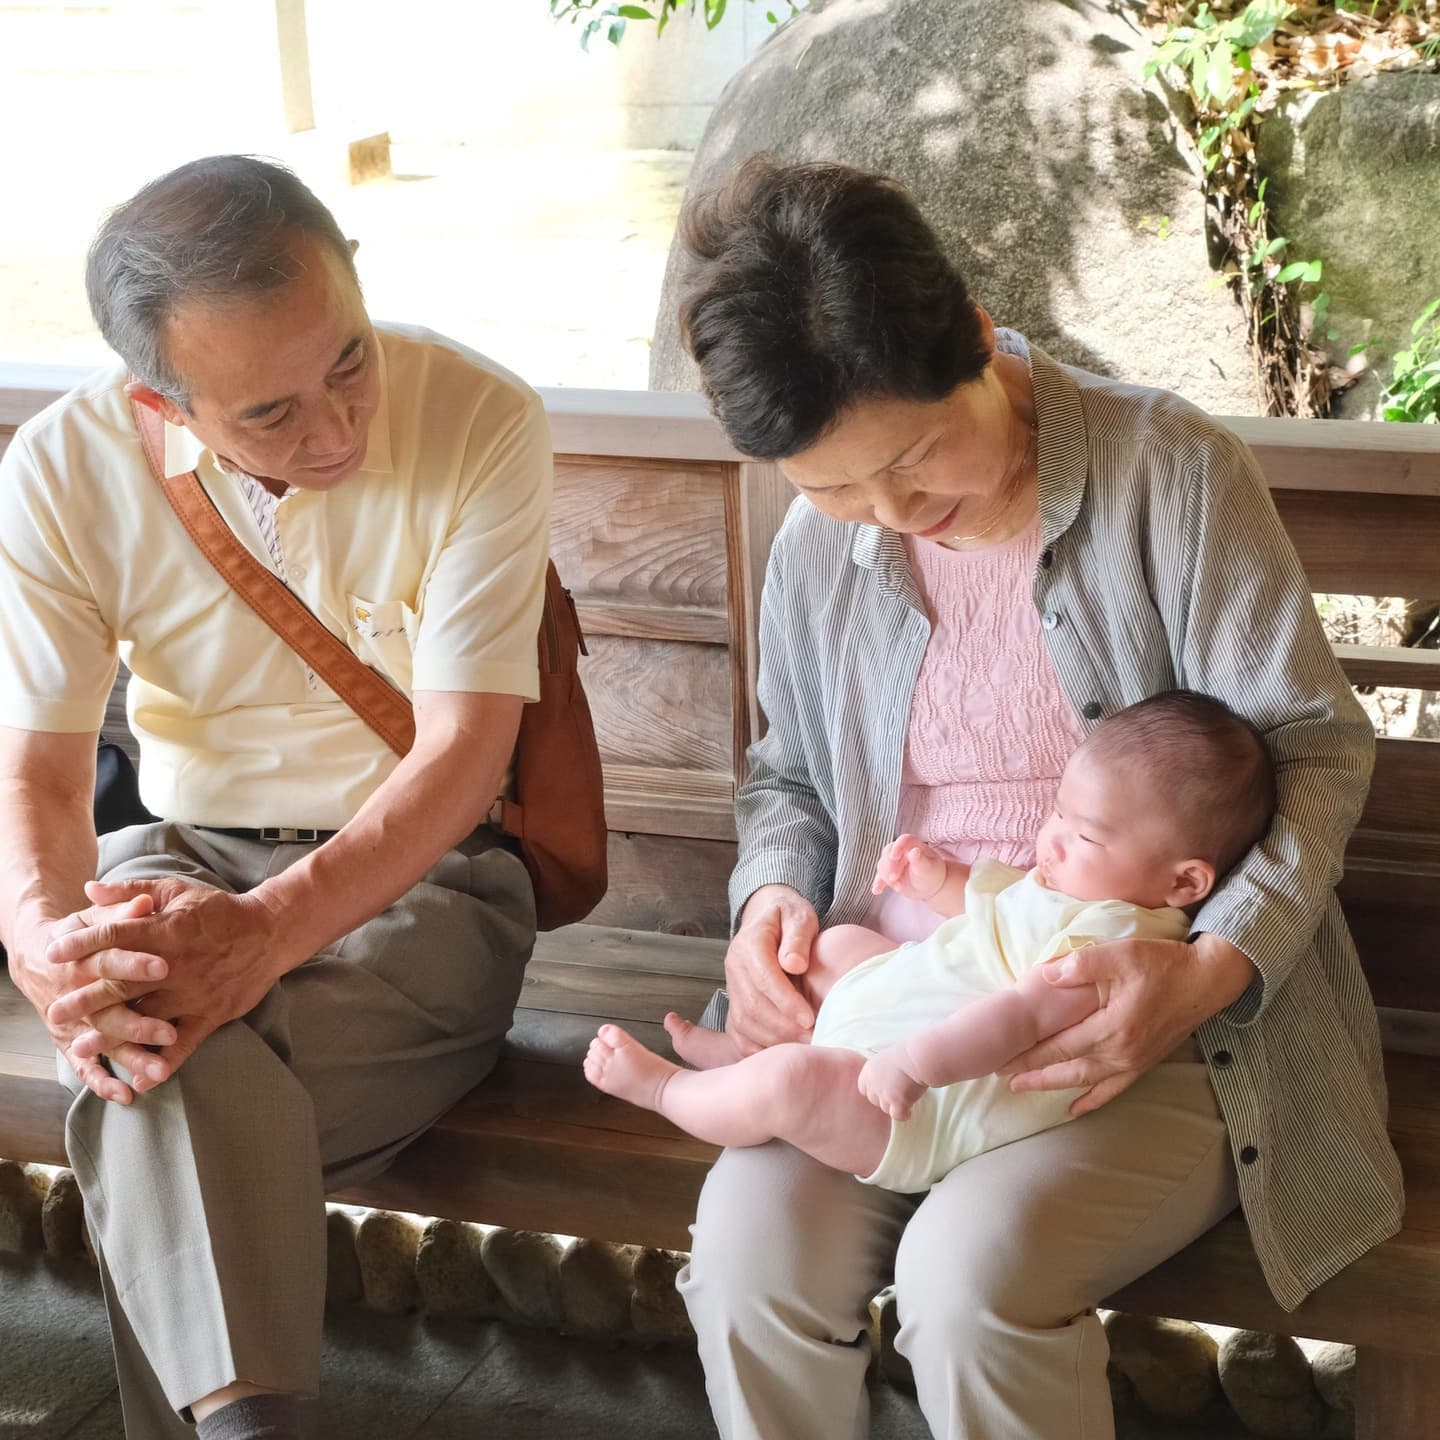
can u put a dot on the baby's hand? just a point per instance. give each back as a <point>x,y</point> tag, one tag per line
<point>911,868</point>
<point>887,1087</point>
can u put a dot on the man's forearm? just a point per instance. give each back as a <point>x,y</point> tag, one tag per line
<point>436,796</point>
<point>49,855</point>
<point>47,821</point>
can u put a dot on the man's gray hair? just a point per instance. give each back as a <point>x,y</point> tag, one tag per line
<point>215,230</point>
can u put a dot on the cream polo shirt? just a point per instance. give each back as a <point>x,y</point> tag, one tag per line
<point>429,562</point>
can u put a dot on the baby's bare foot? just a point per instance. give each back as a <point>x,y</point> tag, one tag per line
<point>619,1064</point>
<point>697,1046</point>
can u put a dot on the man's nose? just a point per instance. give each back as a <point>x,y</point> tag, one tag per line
<point>333,431</point>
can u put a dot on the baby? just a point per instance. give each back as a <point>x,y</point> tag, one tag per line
<point>897,1084</point>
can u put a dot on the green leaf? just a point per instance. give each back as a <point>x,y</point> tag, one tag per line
<point>1278,243</point>
<point>1263,186</point>
<point>1313,271</point>
<point>1359,349</point>
<point>1220,74</point>
<point>714,12</point>
<point>1394,412</point>
<point>1293,271</point>
<point>634,12</point>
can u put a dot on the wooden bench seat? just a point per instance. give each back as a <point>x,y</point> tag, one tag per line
<point>537,1147</point>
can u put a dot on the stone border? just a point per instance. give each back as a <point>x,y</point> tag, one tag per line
<point>398,1263</point>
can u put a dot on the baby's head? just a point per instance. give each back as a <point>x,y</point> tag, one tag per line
<point>1161,800</point>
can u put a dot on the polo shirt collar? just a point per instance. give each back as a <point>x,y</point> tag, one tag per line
<point>184,450</point>
<point>1062,461</point>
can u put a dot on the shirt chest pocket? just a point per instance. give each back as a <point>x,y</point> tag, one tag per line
<point>382,634</point>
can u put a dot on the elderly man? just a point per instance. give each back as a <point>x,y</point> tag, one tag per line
<point>316,952</point>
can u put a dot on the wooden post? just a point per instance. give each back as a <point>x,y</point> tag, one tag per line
<point>293,48</point>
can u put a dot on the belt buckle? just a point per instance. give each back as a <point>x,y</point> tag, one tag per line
<point>303,834</point>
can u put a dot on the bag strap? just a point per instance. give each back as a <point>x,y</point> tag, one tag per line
<point>382,707</point>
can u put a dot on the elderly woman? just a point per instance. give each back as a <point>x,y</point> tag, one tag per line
<point>990,552</point>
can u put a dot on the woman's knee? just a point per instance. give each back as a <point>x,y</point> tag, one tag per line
<point>777,1232</point>
<point>966,1261</point>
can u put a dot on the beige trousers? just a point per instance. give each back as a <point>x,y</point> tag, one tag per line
<point>997,1271</point>
<point>205,1196</point>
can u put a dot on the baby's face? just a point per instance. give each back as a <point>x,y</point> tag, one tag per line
<point>1110,837</point>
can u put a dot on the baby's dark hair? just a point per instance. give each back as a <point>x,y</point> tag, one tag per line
<point>1211,762</point>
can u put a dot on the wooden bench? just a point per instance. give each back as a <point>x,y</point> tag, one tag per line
<point>663,532</point>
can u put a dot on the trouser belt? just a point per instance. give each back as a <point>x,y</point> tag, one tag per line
<point>288,834</point>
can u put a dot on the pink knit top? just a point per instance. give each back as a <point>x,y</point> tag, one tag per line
<point>990,728</point>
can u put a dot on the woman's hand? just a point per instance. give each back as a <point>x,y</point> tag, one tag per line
<point>911,868</point>
<point>1158,992</point>
<point>777,929</point>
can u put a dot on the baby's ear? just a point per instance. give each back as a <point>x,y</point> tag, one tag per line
<point>1190,883</point>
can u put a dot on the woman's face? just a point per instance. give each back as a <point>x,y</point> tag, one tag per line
<point>933,469</point>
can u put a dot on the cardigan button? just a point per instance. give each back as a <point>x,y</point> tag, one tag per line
<point>1047,558</point>
<point>1050,619</point>
<point>1249,1155</point>
<point>1092,710</point>
<point>1222,1057</point>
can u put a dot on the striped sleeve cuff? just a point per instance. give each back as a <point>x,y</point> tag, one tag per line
<point>1262,934</point>
<point>773,867</point>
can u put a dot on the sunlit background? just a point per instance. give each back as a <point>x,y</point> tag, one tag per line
<point>531,190</point>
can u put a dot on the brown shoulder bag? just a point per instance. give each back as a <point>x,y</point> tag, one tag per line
<point>557,811</point>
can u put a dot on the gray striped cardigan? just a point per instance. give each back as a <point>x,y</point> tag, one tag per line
<point>1164,564</point>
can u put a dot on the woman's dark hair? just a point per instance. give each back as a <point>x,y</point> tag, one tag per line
<point>812,287</point>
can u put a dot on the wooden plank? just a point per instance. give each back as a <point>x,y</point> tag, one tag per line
<point>1388,1298</point>
<point>764,495</point>
<point>1366,543</point>
<point>706,626</point>
<point>1395,1394</point>
<point>1405,788</point>
<point>660,704</point>
<point>620,995</point>
<point>1391,665</point>
<point>655,801</point>
<point>648,532</point>
<point>1342,455</point>
<point>603,948</point>
<point>674,885</point>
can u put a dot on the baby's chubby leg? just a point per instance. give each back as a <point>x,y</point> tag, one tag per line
<point>806,1095</point>
<point>833,954</point>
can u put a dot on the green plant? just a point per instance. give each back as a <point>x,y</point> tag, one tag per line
<point>1414,393</point>
<point>601,17</point>
<point>1212,52</point>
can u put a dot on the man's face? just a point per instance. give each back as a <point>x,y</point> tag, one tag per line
<point>282,386</point>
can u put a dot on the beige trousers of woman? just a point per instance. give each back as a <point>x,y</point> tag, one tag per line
<point>997,1271</point>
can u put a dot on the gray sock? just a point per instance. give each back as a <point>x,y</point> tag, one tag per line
<point>261,1417</point>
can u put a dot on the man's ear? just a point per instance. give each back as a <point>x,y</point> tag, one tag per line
<point>162,405</point>
<point>1190,883</point>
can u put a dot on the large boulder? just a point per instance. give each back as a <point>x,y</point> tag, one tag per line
<point>1355,182</point>
<point>1032,143</point>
